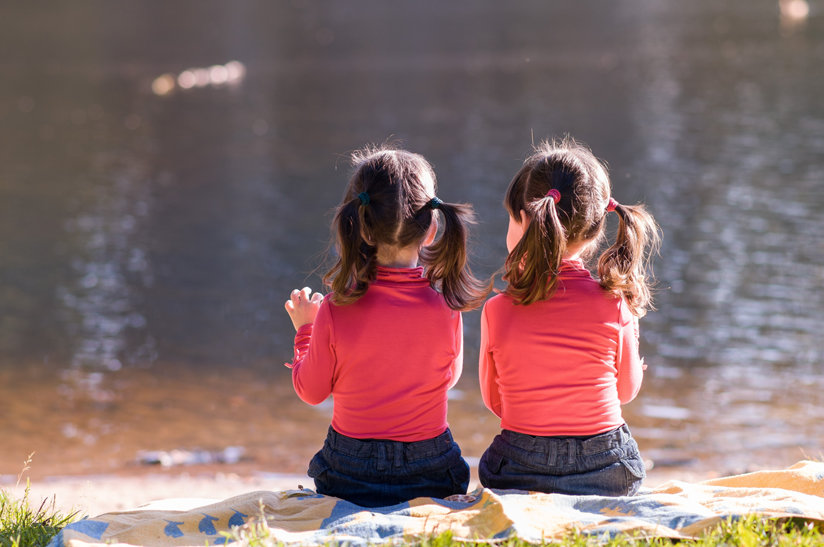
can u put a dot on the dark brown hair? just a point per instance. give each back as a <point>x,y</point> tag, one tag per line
<point>387,202</point>
<point>579,217</point>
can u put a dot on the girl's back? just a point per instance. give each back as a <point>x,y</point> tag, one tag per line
<point>558,362</point>
<point>395,350</point>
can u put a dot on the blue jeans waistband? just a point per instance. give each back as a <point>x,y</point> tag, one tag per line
<point>570,446</point>
<point>412,450</point>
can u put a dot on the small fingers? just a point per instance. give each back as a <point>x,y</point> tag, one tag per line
<point>294,300</point>
<point>303,295</point>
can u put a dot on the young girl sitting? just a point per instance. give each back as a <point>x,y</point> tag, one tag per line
<point>387,342</point>
<point>559,349</point>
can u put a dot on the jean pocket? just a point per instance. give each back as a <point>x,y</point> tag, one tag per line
<point>317,466</point>
<point>492,460</point>
<point>635,466</point>
<point>459,474</point>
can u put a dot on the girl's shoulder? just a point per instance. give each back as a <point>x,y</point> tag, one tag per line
<point>502,300</point>
<point>498,298</point>
<point>582,290</point>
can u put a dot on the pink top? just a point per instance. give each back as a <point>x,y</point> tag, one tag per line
<point>562,366</point>
<point>388,359</point>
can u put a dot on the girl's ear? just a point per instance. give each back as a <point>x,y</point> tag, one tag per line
<point>524,220</point>
<point>429,238</point>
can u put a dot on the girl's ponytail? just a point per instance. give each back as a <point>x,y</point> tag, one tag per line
<point>446,259</point>
<point>623,267</point>
<point>356,265</point>
<point>531,269</point>
<point>387,205</point>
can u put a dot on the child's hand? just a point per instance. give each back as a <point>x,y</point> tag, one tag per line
<point>303,306</point>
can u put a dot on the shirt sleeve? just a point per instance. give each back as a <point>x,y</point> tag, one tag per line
<point>314,361</point>
<point>457,364</point>
<point>629,364</point>
<point>488,374</point>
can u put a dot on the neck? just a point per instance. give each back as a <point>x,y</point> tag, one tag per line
<point>575,250</point>
<point>398,257</point>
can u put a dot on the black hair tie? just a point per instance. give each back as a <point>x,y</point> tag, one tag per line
<point>364,198</point>
<point>435,203</point>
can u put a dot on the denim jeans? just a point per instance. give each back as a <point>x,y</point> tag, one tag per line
<point>607,464</point>
<point>375,472</point>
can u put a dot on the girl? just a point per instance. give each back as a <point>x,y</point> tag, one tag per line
<point>387,342</point>
<point>559,350</point>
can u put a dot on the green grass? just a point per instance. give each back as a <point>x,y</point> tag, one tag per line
<point>749,531</point>
<point>20,526</point>
<point>23,526</point>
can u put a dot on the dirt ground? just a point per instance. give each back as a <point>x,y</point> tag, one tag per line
<point>93,495</point>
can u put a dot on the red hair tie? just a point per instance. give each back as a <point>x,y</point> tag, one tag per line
<point>611,205</point>
<point>555,195</point>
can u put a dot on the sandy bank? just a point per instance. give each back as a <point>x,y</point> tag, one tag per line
<point>97,494</point>
<point>94,495</point>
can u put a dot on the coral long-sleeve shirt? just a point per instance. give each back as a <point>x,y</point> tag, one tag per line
<point>561,366</point>
<point>388,359</point>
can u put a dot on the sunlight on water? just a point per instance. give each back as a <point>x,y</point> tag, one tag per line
<point>106,264</point>
<point>231,73</point>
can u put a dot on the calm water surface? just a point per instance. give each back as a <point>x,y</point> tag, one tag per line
<point>154,215</point>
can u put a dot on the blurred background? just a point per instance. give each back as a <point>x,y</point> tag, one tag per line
<point>168,169</point>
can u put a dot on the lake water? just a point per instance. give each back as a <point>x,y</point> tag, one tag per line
<point>167,173</point>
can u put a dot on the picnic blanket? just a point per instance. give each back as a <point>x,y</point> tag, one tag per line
<point>675,509</point>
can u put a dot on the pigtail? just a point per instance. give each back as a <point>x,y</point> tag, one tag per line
<point>531,269</point>
<point>624,267</point>
<point>446,259</point>
<point>356,266</point>
<point>387,205</point>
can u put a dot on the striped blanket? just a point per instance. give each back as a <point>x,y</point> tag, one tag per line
<point>675,509</point>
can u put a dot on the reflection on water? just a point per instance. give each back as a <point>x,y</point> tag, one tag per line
<point>745,261</point>
<point>730,419</point>
<point>231,73</point>
<point>107,262</point>
<point>153,217</point>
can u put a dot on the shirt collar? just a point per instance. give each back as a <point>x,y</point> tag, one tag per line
<point>385,273</point>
